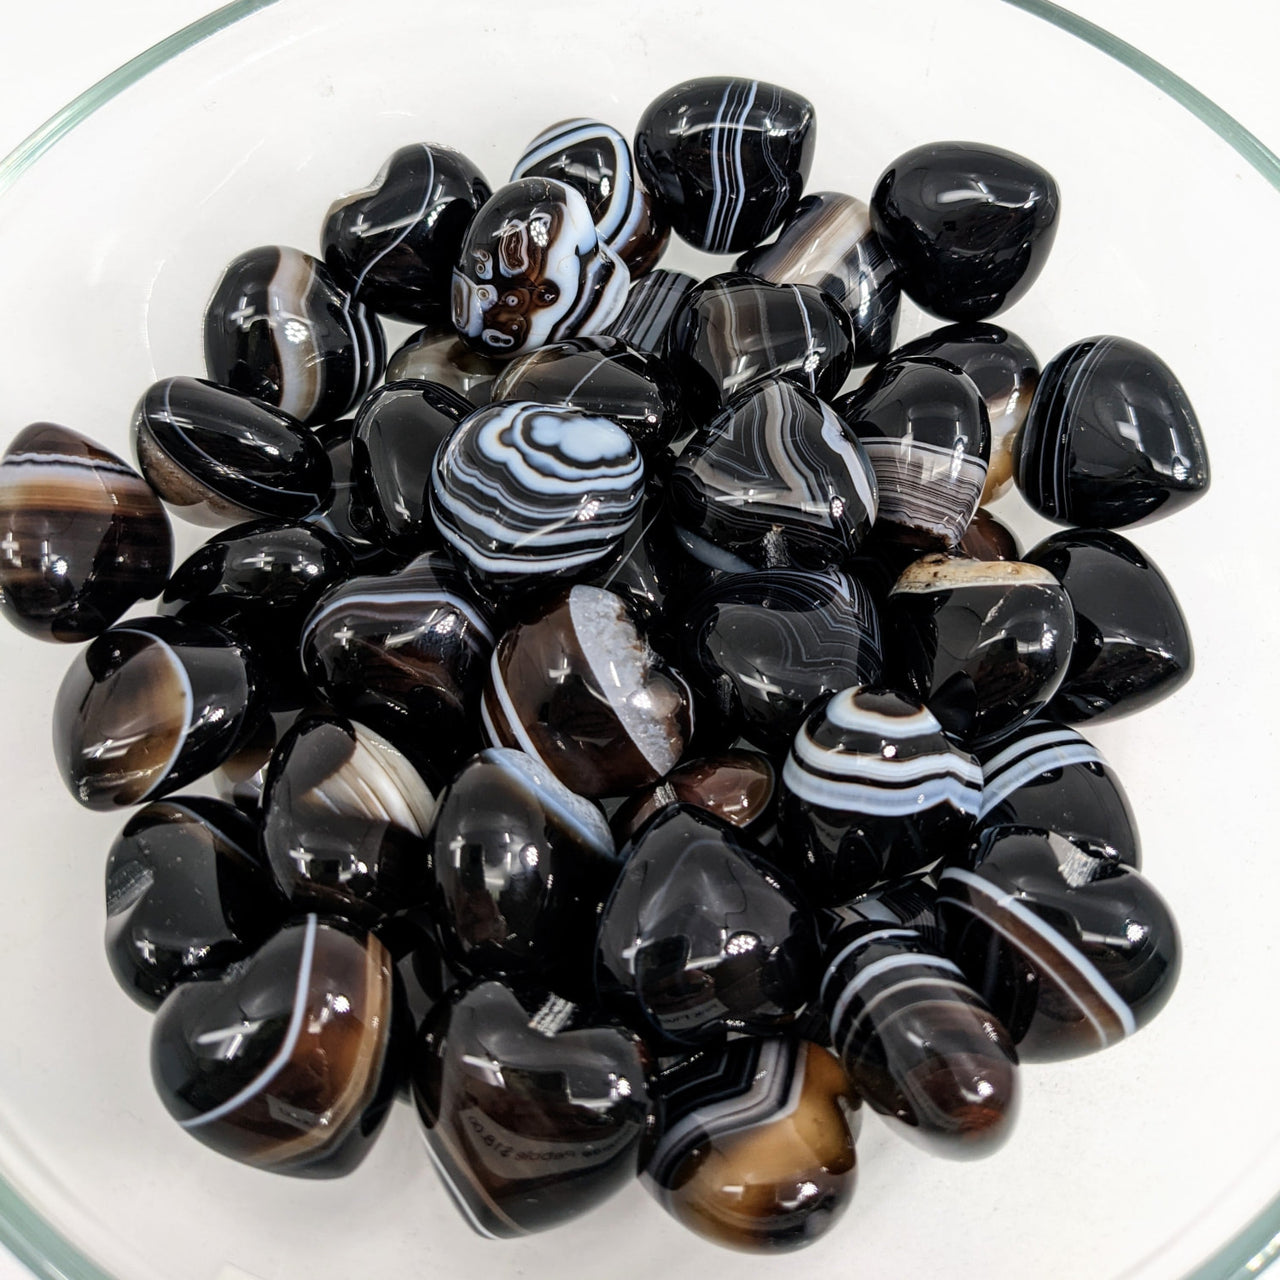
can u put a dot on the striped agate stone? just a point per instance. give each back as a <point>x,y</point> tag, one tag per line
<point>526,494</point>
<point>279,328</point>
<point>595,159</point>
<point>925,428</point>
<point>871,791</point>
<point>533,270</point>
<point>754,1147</point>
<point>1047,775</point>
<point>651,302</point>
<point>1071,949</point>
<point>288,1062</point>
<point>82,537</point>
<point>828,242</point>
<point>916,1041</point>
<point>726,158</point>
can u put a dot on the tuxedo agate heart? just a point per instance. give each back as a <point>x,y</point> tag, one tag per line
<point>286,1063</point>
<point>533,1110</point>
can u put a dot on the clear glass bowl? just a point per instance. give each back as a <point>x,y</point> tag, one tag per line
<point>1159,1158</point>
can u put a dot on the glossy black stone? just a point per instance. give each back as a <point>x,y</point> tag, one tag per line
<point>393,245</point>
<point>924,426</point>
<point>759,648</point>
<point>187,895</point>
<point>150,705</point>
<point>984,644</point>
<point>219,458</point>
<point>871,791</point>
<point>1111,438</point>
<point>828,242</point>
<point>701,937</point>
<point>290,1061</point>
<point>1132,646</point>
<point>82,536</point>
<point>280,329</point>
<point>533,1107</point>
<point>1071,949</point>
<point>775,481</point>
<point>345,820</point>
<point>1005,371</point>
<point>1046,775</point>
<point>734,330</point>
<point>258,582</point>
<point>916,1041</point>
<point>970,226</point>
<point>605,377</point>
<point>987,538</point>
<point>398,431</point>
<point>520,870</point>
<point>651,302</point>
<point>406,654</point>
<point>726,158</point>
<point>440,356</point>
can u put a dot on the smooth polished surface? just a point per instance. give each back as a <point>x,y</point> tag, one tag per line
<point>651,302</point>
<point>439,355</point>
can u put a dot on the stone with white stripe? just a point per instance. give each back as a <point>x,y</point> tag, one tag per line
<point>651,302</point>
<point>726,158</point>
<point>872,790</point>
<point>1071,949</point>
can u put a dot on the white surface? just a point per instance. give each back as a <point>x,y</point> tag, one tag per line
<point>1190,1141</point>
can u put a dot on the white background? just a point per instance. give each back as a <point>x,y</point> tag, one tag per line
<point>53,50</point>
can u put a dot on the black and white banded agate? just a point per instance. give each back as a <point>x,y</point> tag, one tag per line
<point>726,158</point>
<point>924,426</point>
<point>1070,948</point>
<point>871,791</point>
<point>1046,775</point>
<point>914,1038</point>
<point>651,302</point>
<point>82,536</point>
<point>828,242</point>
<point>526,494</point>
<point>595,159</point>
<point>776,481</point>
<point>533,270</point>
<point>217,457</point>
<point>279,328</point>
<point>393,244</point>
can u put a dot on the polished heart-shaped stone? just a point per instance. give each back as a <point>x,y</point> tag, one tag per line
<point>701,937</point>
<point>1133,646</point>
<point>533,270</point>
<point>1046,775</point>
<point>1006,373</point>
<point>345,820</point>
<point>220,458</point>
<point>1070,948</point>
<point>726,158</point>
<point>82,536</point>
<point>291,1060</point>
<point>734,330</point>
<point>280,329</point>
<point>150,705</point>
<point>188,895</point>
<point>827,242</point>
<point>776,481</point>
<point>579,688</point>
<point>440,356</point>
<point>754,1147</point>
<point>533,1109</point>
<point>761,647</point>
<point>983,643</point>
<point>607,378</point>
<point>393,244</point>
<point>595,160</point>
<point>916,1041</point>
<point>924,426</point>
<point>970,226</point>
<point>651,302</point>
<point>871,791</point>
<point>406,654</point>
<point>1111,438</point>
<point>520,868</point>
